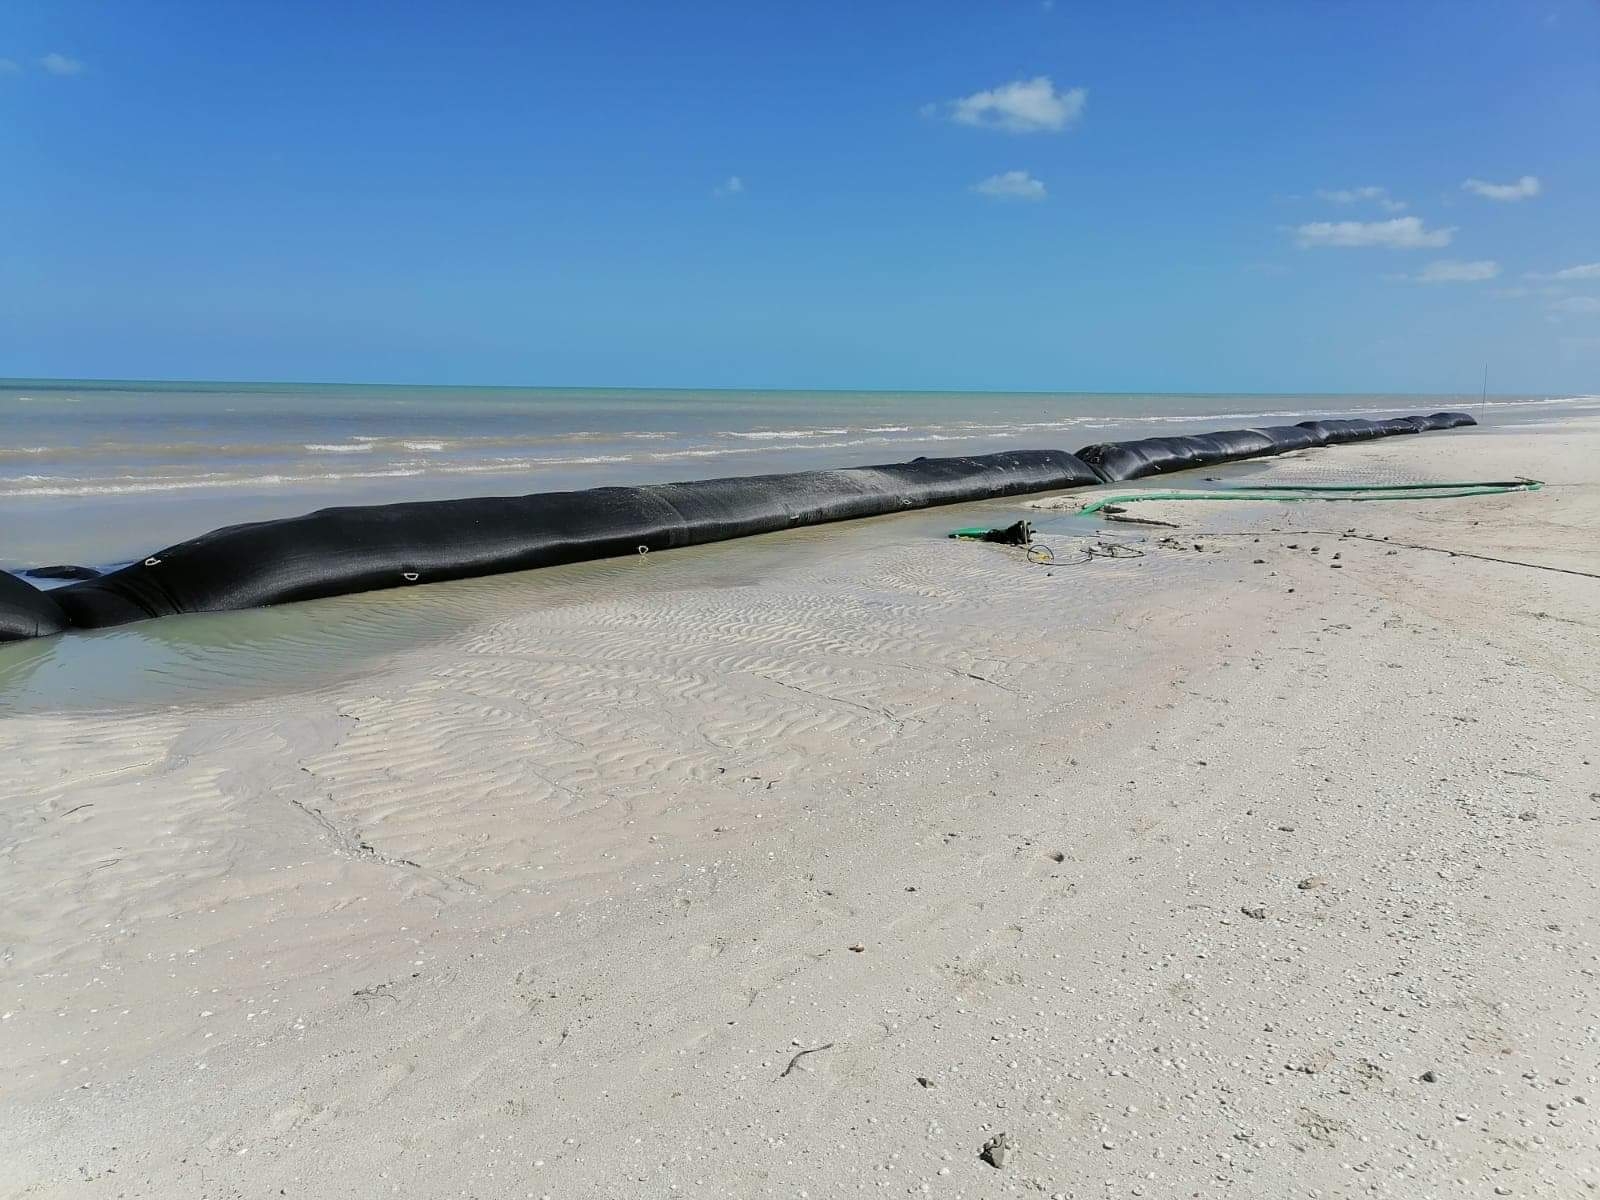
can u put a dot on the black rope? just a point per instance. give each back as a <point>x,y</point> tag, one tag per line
<point>1383,541</point>
<point>1042,555</point>
<point>1512,562</point>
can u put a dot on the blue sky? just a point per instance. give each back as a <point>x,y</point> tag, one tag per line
<point>999,195</point>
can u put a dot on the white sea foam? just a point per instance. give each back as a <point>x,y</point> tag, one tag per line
<point>775,434</point>
<point>58,485</point>
<point>338,448</point>
<point>724,451</point>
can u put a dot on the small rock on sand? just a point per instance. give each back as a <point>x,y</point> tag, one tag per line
<point>996,1150</point>
<point>1311,883</point>
<point>1256,911</point>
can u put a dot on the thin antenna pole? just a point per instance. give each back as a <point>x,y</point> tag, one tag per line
<point>1485,382</point>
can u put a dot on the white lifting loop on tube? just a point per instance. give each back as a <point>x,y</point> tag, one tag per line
<point>152,561</point>
<point>643,550</point>
<point>410,576</point>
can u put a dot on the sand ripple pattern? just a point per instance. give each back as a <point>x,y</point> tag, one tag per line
<point>586,723</point>
<point>593,715</point>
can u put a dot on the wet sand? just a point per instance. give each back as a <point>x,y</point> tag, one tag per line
<point>1192,873</point>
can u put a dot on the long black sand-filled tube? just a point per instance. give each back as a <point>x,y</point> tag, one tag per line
<point>27,612</point>
<point>341,550</point>
<point>1116,461</point>
<point>1291,437</point>
<point>1336,432</point>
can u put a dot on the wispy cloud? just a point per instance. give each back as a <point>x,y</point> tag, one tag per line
<point>1451,270</point>
<point>1523,189</point>
<point>1581,305</point>
<point>1021,106</point>
<point>9,66</point>
<point>1402,233</point>
<point>60,64</point>
<point>1519,290</point>
<point>1011,185</point>
<point>1578,274</point>
<point>731,186</point>
<point>1363,195</point>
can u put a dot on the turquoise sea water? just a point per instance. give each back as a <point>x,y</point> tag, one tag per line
<point>104,472</point>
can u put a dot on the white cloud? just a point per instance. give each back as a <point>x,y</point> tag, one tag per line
<point>1571,274</point>
<point>1402,233</point>
<point>1011,185</point>
<point>1359,195</point>
<point>1022,106</point>
<point>9,66</point>
<point>60,64</point>
<point>731,186</point>
<point>1518,291</point>
<point>1522,189</point>
<point>1450,270</point>
<point>1577,304</point>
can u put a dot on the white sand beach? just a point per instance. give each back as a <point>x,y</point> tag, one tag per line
<point>1262,865</point>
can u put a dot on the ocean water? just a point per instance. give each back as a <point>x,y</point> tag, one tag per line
<point>106,472</point>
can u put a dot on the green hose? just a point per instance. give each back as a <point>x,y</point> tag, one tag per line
<point>1507,485</point>
<point>1333,491</point>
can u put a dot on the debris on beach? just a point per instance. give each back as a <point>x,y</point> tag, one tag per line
<point>996,1150</point>
<point>795,1061</point>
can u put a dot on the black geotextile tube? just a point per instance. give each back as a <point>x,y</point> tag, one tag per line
<point>340,550</point>
<point>1116,461</point>
<point>1394,425</point>
<point>63,571</point>
<point>1338,432</point>
<point>1449,420</point>
<point>27,612</point>
<point>1291,437</point>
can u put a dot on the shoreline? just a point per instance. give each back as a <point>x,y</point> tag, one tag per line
<point>183,464</point>
<point>570,884</point>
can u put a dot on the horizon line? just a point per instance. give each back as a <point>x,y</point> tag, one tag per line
<point>560,387</point>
